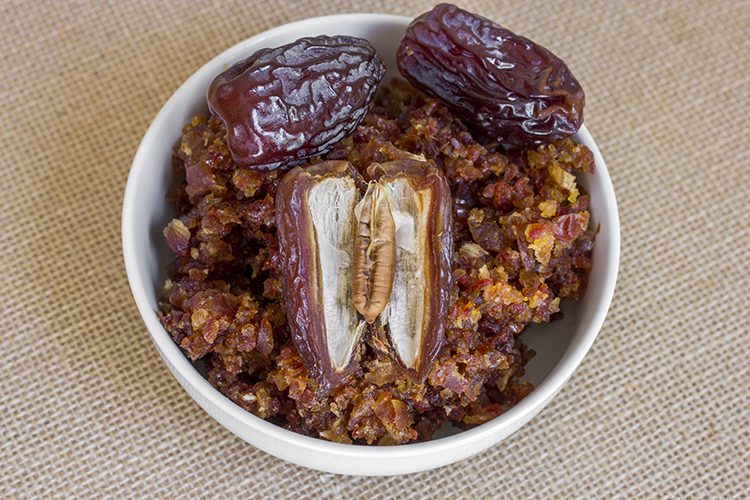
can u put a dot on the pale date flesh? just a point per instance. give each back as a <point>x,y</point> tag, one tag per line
<point>352,262</point>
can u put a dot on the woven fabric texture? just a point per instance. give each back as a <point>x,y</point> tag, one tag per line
<point>660,406</point>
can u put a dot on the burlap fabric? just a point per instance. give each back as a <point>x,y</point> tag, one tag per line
<point>659,407</point>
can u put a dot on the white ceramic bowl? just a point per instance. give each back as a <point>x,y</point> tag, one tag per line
<point>560,346</point>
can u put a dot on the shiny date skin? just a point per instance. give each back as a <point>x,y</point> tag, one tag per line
<point>283,105</point>
<point>502,85</point>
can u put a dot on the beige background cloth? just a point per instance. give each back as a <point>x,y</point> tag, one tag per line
<point>660,406</point>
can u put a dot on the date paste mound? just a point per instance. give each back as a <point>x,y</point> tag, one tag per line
<point>360,266</point>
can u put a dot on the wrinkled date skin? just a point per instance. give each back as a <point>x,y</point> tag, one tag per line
<point>283,105</point>
<point>503,85</point>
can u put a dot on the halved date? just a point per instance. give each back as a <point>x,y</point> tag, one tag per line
<point>317,227</point>
<point>283,105</point>
<point>416,312</point>
<point>386,256</point>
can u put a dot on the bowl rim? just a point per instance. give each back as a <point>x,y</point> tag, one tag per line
<point>172,354</point>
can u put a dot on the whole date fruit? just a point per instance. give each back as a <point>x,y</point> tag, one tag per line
<point>503,85</point>
<point>281,106</point>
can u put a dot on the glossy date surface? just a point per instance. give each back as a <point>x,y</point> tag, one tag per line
<point>283,105</point>
<point>502,85</point>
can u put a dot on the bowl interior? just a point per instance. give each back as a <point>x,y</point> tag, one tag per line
<point>146,212</point>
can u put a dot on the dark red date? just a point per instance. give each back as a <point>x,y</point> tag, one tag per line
<point>281,106</point>
<point>503,85</point>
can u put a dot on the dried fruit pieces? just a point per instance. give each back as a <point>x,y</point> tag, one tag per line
<point>503,85</point>
<point>478,371</point>
<point>418,306</point>
<point>386,256</point>
<point>283,105</point>
<point>390,260</point>
<point>316,229</point>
